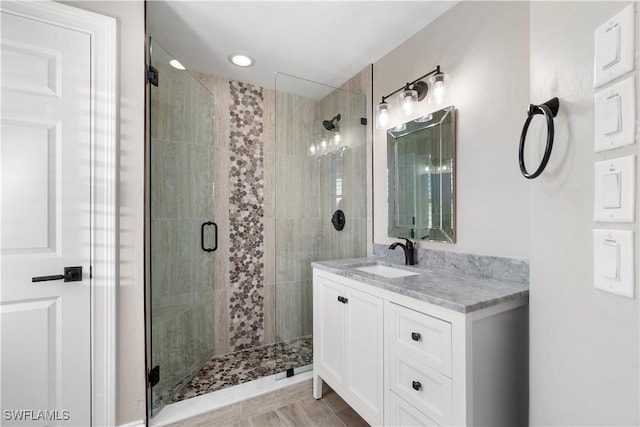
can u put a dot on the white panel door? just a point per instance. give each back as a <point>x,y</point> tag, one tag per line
<point>45,207</point>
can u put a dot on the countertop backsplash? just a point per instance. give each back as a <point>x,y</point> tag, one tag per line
<point>511,269</point>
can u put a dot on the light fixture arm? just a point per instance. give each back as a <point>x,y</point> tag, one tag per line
<point>435,71</point>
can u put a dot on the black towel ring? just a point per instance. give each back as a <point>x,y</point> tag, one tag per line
<point>550,110</point>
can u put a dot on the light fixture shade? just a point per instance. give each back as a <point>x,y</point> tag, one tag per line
<point>408,97</point>
<point>382,115</point>
<point>438,88</point>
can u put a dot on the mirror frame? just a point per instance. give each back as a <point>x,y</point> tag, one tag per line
<point>433,121</point>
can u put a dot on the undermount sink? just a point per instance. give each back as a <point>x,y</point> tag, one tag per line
<point>384,271</point>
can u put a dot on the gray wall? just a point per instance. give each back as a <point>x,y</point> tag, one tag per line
<point>484,49</point>
<point>500,57</point>
<point>130,368</point>
<point>584,342</point>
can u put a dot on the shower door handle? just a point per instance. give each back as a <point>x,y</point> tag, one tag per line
<point>202,245</point>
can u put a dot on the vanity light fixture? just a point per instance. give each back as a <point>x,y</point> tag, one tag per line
<point>241,60</point>
<point>382,115</point>
<point>411,93</point>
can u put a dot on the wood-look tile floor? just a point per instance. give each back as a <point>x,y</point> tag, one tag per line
<point>292,407</point>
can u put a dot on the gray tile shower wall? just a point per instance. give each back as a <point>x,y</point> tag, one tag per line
<point>515,270</point>
<point>243,300</point>
<point>268,238</point>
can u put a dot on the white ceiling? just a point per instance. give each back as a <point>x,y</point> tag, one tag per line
<point>322,41</point>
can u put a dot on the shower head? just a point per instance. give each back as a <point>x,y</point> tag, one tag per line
<point>330,124</point>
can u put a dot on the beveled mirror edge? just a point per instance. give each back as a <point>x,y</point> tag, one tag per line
<point>413,126</point>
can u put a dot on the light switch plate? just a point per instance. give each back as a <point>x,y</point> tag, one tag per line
<point>615,47</point>
<point>613,267</point>
<point>615,190</point>
<point>611,190</point>
<point>615,115</point>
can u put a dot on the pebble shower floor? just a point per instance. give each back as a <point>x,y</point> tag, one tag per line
<point>247,365</point>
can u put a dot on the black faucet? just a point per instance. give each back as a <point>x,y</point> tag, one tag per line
<point>408,249</point>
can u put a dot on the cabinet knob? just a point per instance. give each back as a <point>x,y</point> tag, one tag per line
<point>343,299</point>
<point>415,336</point>
<point>416,385</point>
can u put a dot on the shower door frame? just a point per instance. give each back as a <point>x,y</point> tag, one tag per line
<point>151,43</point>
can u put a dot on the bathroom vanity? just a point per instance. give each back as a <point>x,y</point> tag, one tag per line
<point>408,346</point>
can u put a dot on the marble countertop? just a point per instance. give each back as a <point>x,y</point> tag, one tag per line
<point>460,292</point>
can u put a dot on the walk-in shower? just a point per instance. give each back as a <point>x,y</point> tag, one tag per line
<point>253,173</point>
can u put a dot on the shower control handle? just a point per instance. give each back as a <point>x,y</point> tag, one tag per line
<point>202,245</point>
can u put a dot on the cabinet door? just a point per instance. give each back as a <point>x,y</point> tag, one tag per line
<point>364,351</point>
<point>330,329</point>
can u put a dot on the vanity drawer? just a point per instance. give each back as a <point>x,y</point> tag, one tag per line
<point>423,337</point>
<point>423,387</point>
<point>402,414</point>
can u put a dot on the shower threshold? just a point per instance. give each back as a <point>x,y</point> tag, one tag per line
<point>185,409</point>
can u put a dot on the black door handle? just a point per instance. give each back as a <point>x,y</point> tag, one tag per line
<point>204,248</point>
<point>71,274</point>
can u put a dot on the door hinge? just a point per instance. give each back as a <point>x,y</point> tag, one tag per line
<point>152,75</point>
<point>154,376</point>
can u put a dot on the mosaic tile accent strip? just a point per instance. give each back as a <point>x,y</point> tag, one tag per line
<point>247,365</point>
<point>246,216</point>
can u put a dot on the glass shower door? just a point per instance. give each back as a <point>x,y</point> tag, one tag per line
<point>182,233</point>
<point>320,176</point>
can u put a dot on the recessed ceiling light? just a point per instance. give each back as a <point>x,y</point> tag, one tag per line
<point>241,60</point>
<point>176,64</point>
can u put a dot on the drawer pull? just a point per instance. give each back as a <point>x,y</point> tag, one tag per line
<point>415,336</point>
<point>416,385</point>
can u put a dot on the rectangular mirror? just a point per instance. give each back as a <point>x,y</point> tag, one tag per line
<point>421,177</point>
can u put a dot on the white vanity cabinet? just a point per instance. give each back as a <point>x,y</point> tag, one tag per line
<point>348,344</point>
<point>419,365</point>
<point>401,361</point>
